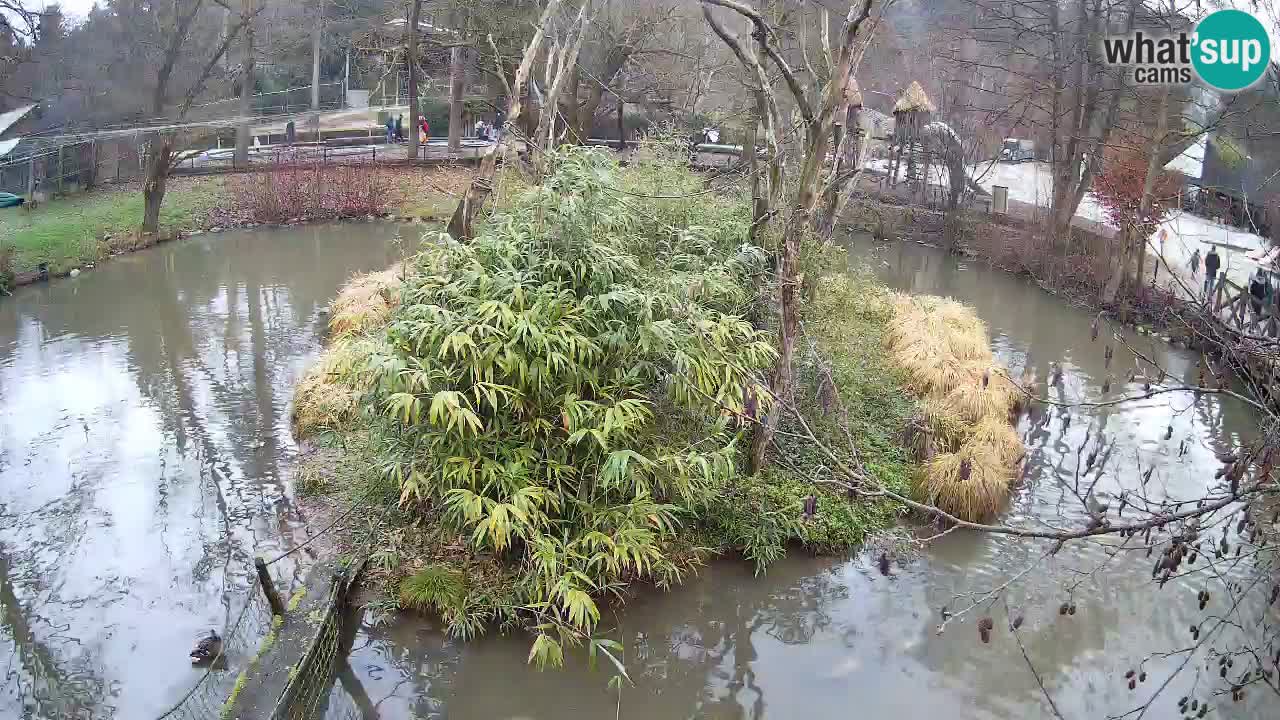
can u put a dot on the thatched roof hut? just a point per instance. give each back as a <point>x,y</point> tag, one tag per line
<point>912,112</point>
<point>913,100</point>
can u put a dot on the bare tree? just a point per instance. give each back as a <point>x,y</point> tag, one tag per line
<point>461,224</point>
<point>184,64</point>
<point>800,210</point>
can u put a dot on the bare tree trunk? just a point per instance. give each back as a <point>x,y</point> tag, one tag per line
<point>565,62</point>
<point>800,223</point>
<point>456,78</point>
<point>461,224</point>
<point>1154,169</point>
<point>241,158</point>
<point>750,157</point>
<point>315,57</point>
<point>571,110</point>
<point>411,52</point>
<point>622,125</point>
<point>157,177</point>
<point>160,155</point>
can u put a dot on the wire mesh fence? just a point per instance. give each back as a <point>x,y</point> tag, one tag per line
<point>308,690</point>
<point>239,651</point>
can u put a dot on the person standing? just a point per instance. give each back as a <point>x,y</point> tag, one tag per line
<point>424,127</point>
<point>391,130</point>
<point>1195,263</point>
<point>1257,292</point>
<point>400,128</point>
<point>1211,264</point>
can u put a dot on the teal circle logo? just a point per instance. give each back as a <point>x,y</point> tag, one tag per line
<point>1232,50</point>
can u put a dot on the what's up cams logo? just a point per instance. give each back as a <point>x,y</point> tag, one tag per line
<point>1229,50</point>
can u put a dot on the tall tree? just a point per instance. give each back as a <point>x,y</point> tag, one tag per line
<point>801,206</point>
<point>457,78</point>
<point>174,38</point>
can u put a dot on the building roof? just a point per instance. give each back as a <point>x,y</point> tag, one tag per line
<point>1189,162</point>
<point>913,99</point>
<point>423,25</point>
<point>8,119</point>
<point>7,146</point>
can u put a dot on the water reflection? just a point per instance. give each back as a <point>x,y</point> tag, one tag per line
<point>144,447</point>
<point>818,638</point>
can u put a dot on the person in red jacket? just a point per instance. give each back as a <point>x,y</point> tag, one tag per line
<point>424,127</point>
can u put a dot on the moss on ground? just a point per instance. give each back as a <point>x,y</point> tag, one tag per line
<point>268,642</point>
<point>71,231</point>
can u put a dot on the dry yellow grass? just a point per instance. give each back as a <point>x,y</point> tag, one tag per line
<point>949,430</point>
<point>969,493</point>
<point>974,398</point>
<point>328,395</point>
<point>365,302</point>
<point>966,404</point>
<point>996,438</point>
<point>322,399</point>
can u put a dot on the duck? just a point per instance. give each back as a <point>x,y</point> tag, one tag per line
<point>207,649</point>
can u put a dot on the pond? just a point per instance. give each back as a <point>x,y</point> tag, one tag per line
<point>832,638</point>
<point>144,451</point>
<point>145,454</point>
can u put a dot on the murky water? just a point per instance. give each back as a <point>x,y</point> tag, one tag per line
<point>144,458</point>
<point>831,638</point>
<point>144,451</point>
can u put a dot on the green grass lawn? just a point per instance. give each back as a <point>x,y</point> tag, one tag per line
<point>67,232</point>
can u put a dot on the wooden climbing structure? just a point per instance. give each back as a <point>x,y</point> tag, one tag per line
<point>911,113</point>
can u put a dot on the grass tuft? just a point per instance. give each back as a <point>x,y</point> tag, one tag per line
<point>434,588</point>
<point>365,303</point>
<point>966,405</point>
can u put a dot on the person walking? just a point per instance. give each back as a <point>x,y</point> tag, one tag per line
<point>424,127</point>
<point>400,128</point>
<point>1211,264</point>
<point>1195,263</point>
<point>391,130</point>
<point>1257,292</point>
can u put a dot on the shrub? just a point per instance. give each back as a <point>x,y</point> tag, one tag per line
<point>306,191</point>
<point>1119,187</point>
<point>558,385</point>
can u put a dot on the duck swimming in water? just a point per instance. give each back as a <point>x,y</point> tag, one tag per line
<point>207,649</point>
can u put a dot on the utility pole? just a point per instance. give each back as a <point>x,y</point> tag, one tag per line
<point>315,56</point>
<point>241,157</point>
<point>411,59</point>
